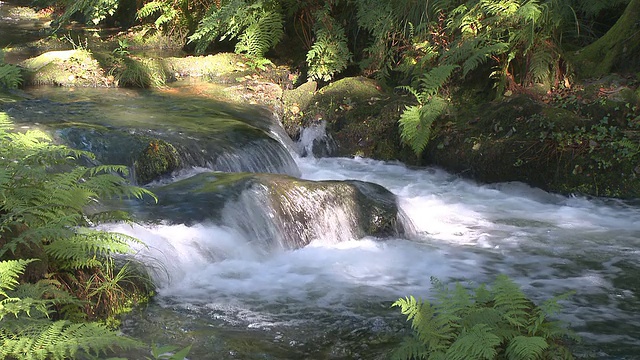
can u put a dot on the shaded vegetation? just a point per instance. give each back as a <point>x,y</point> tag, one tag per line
<point>57,270</point>
<point>483,323</point>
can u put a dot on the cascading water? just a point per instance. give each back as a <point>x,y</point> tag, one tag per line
<point>266,155</point>
<point>117,125</point>
<point>328,297</point>
<point>315,141</point>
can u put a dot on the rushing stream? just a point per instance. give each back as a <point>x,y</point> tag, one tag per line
<point>232,299</point>
<point>330,300</point>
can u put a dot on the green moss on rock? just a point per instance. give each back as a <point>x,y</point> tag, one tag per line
<point>64,68</point>
<point>544,145</point>
<point>157,159</point>
<point>210,66</point>
<point>360,117</point>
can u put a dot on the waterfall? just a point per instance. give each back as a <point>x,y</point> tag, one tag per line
<point>314,141</point>
<point>262,156</point>
<point>274,211</point>
<point>306,268</point>
<point>294,217</point>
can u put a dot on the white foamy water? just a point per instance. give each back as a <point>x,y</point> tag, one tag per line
<point>547,243</point>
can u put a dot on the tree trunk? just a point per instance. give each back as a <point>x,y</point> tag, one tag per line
<point>617,51</point>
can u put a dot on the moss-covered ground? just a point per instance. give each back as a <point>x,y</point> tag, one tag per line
<point>585,140</point>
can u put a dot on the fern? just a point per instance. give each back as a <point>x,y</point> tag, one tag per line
<point>432,81</point>
<point>257,27</point>
<point>263,33</point>
<point>523,347</point>
<point>480,56</point>
<point>95,11</point>
<point>477,342</point>
<point>9,272</point>
<point>479,324</point>
<point>329,54</point>
<point>151,8</point>
<point>49,204</point>
<point>59,340</point>
<point>87,248</point>
<point>10,76</point>
<point>416,123</point>
<point>511,302</point>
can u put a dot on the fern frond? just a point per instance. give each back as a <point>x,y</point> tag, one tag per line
<point>62,339</point>
<point>34,299</point>
<point>329,54</point>
<point>410,348</point>
<point>483,315</point>
<point>88,247</point>
<point>488,326</point>
<point>263,33</point>
<point>542,60</point>
<point>526,347</point>
<point>432,327</point>
<point>226,21</point>
<point>477,342</point>
<point>10,76</point>
<point>150,8</point>
<point>481,55</point>
<point>10,270</point>
<point>416,123</point>
<point>433,80</point>
<point>409,306</point>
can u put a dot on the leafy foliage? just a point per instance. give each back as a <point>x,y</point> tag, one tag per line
<point>48,210</point>
<point>60,339</point>
<point>416,121</point>
<point>179,18</point>
<point>482,323</point>
<point>10,76</point>
<point>329,54</point>
<point>518,39</point>
<point>94,11</point>
<point>256,25</point>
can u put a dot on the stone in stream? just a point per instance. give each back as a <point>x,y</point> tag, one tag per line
<point>279,211</point>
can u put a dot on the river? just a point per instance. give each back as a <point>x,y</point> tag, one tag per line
<point>230,299</point>
<point>331,300</point>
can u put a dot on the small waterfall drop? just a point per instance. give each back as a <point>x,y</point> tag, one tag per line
<point>262,156</point>
<point>294,217</point>
<point>315,142</point>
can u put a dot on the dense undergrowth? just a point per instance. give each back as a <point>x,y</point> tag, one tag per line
<point>425,47</point>
<point>62,281</point>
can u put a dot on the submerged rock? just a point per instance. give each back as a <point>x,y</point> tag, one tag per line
<point>278,211</point>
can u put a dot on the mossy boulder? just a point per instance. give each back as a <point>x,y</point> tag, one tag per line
<point>210,66</point>
<point>64,68</point>
<point>278,210</point>
<point>159,158</point>
<point>149,157</point>
<point>100,68</point>
<point>572,143</point>
<point>361,118</point>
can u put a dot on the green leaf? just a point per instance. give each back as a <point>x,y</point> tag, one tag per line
<point>523,347</point>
